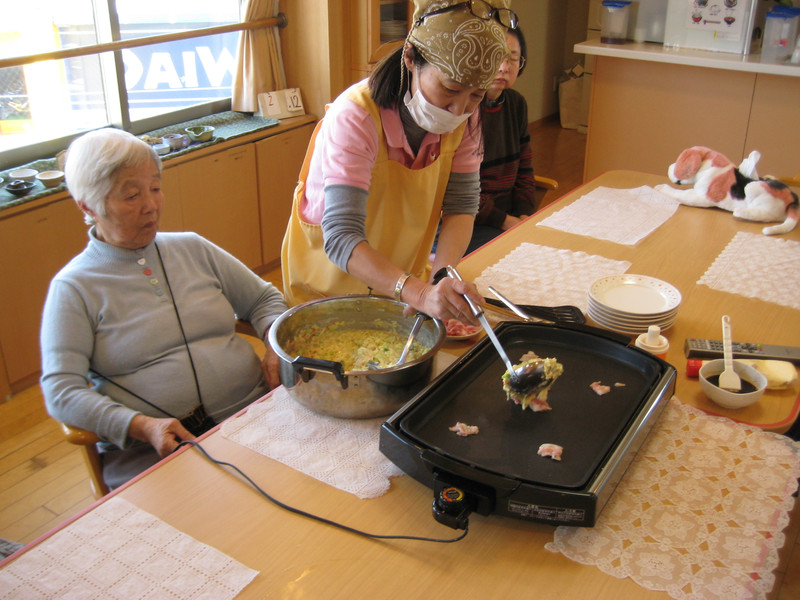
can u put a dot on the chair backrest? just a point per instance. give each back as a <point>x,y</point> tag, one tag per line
<point>791,181</point>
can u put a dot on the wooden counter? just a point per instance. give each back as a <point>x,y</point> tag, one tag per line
<point>649,102</point>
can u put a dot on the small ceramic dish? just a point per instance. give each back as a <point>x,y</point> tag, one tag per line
<point>19,187</point>
<point>753,384</point>
<point>200,133</point>
<point>162,148</point>
<point>24,174</point>
<point>51,178</point>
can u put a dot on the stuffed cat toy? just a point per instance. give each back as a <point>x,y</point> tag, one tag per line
<point>716,181</point>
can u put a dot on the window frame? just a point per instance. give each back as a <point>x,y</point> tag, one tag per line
<point>111,54</point>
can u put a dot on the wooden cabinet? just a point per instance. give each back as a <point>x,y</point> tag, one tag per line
<point>172,211</point>
<point>378,27</point>
<point>218,200</point>
<point>648,104</point>
<point>278,161</point>
<point>35,244</point>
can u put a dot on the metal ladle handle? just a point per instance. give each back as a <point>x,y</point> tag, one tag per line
<point>477,312</point>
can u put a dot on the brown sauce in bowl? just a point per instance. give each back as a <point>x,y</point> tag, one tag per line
<point>747,387</point>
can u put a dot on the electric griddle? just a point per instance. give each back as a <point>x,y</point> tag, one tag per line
<point>498,470</point>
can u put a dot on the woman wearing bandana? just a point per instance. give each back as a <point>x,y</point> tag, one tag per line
<point>393,155</point>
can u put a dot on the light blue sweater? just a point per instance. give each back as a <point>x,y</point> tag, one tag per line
<point>110,310</point>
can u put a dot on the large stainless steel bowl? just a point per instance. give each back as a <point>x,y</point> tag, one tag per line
<point>324,386</point>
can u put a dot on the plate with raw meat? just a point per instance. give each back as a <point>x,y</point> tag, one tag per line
<point>459,331</point>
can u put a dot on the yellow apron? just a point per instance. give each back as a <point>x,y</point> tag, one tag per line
<point>403,211</point>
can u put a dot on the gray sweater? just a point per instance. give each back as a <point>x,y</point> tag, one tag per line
<point>110,310</point>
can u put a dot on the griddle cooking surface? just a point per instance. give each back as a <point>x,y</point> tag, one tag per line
<point>585,424</point>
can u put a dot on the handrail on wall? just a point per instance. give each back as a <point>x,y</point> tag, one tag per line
<point>16,61</point>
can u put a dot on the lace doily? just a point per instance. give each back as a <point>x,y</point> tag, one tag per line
<point>118,551</point>
<point>340,452</point>
<point>700,512</point>
<point>623,216</point>
<point>758,266</point>
<point>533,274</point>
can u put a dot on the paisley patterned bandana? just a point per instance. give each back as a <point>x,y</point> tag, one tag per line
<point>464,47</point>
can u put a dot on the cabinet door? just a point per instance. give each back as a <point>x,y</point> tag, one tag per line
<point>171,215</point>
<point>219,200</point>
<point>279,159</point>
<point>34,245</point>
<point>377,28</point>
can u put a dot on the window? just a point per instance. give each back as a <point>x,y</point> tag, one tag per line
<point>45,104</point>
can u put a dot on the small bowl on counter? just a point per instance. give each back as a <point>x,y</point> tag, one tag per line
<point>19,187</point>
<point>28,175</point>
<point>51,179</point>
<point>162,148</point>
<point>753,384</point>
<point>200,133</point>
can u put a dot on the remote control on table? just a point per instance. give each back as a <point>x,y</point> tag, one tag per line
<point>702,348</point>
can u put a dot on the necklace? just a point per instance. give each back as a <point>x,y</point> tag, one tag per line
<point>180,324</point>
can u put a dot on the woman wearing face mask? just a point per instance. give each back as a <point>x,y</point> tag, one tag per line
<point>393,155</point>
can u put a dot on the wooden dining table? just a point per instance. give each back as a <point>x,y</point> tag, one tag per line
<point>299,558</point>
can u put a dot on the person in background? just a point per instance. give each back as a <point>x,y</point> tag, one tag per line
<point>391,156</point>
<point>138,332</point>
<point>507,184</point>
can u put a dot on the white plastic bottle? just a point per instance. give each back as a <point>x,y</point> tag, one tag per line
<point>653,342</point>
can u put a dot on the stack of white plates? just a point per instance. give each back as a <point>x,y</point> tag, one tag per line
<point>631,303</point>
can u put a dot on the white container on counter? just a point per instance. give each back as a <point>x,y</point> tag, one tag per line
<point>647,21</point>
<point>734,26</point>
<point>780,34</point>
<point>614,21</point>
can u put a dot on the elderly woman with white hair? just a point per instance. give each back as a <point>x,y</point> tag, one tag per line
<point>138,332</point>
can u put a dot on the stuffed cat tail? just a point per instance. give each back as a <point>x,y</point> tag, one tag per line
<point>781,191</point>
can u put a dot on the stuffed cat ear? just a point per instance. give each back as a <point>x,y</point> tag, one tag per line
<point>720,186</point>
<point>748,166</point>
<point>687,164</point>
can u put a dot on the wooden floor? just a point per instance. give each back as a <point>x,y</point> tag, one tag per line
<point>43,480</point>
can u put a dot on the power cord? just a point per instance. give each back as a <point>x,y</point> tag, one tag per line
<point>303,513</point>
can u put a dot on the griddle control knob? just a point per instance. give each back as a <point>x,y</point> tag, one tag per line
<point>450,507</point>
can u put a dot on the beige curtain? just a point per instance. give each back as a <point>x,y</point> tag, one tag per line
<point>259,64</point>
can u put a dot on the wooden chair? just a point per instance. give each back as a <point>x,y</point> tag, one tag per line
<point>545,182</point>
<point>791,181</point>
<point>543,185</point>
<point>87,442</point>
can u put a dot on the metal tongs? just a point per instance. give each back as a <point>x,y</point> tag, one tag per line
<point>528,377</point>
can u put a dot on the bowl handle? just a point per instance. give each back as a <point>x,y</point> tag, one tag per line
<point>305,368</point>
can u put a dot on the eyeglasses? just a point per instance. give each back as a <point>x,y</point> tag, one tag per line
<point>482,10</point>
<point>516,61</point>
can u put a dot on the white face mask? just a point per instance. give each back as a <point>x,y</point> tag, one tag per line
<point>432,118</point>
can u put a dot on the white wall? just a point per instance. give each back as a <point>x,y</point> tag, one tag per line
<point>551,28</point>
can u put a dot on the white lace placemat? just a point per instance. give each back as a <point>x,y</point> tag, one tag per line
<point>758,266</point>
<point>118,551</point>
<point>340,452</point>
<point>623,216</point>
<point>700,512</point>
<point>533,274</point>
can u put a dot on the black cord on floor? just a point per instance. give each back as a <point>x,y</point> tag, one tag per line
<point>303,513</point>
